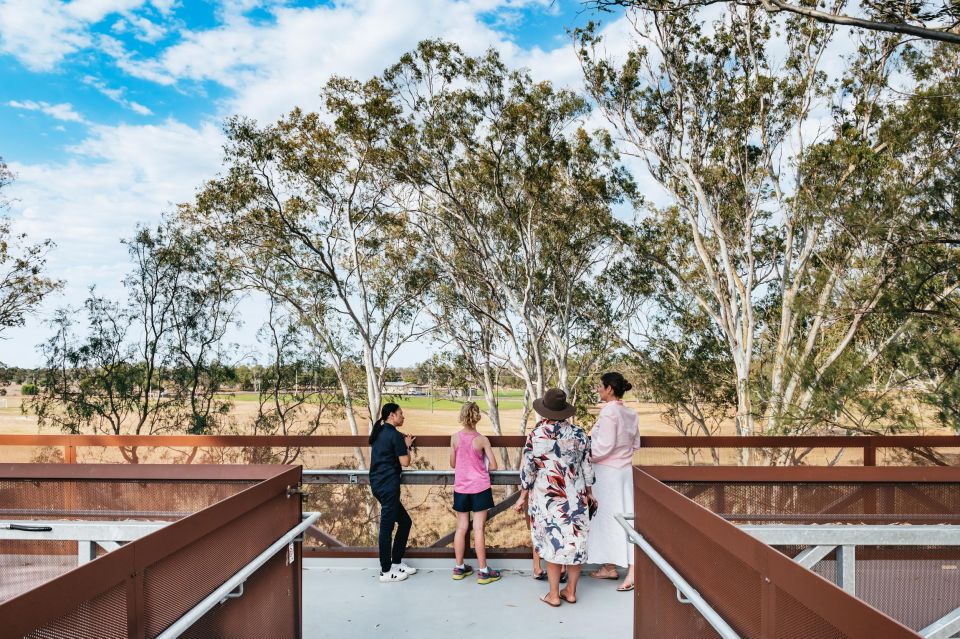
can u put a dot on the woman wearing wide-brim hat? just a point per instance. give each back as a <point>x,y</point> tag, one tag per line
<point>555,478</point>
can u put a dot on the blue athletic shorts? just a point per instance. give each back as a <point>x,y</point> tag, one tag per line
<point>473,502</point>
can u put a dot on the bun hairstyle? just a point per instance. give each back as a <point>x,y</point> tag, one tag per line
<point>385,412</point>
<point>617,382</point>
<point>469,415</point>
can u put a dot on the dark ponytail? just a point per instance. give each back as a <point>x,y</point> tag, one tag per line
<point>617,382</point>
<point>385,412</point>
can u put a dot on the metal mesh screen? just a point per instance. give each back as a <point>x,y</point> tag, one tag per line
<point>835,502</point>
<point>275,614</point>
<point>703,562</point>
<point>142,588</point>
<point>115,499</point>
<point>27,564</point>
<point>793,619</point>
<point>104,617</point>
<point>182,579</point>
<point>915,585</point>
<point>757,594</point>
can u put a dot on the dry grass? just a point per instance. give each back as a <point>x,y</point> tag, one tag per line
<point>429,506</point>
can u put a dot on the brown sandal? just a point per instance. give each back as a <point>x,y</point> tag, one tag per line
<point>564,596</point>
<point>596,575</point>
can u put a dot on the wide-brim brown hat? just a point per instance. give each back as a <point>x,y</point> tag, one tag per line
<point>553,405</point>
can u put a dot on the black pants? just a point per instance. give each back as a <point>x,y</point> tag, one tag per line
<point>392,513</point>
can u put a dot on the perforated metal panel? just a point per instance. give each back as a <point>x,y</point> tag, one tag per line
<point>181,580</point>
<point>104,617</point>
<point>218,526</point>
<point>761,593</point>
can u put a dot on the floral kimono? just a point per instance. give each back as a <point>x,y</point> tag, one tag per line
<point>556,470</point>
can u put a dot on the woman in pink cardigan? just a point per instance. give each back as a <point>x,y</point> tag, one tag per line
<point>614,439</point>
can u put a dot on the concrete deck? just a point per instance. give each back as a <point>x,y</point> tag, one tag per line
<point>344,600</point>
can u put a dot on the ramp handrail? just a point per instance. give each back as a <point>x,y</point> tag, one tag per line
<point>682,585</point>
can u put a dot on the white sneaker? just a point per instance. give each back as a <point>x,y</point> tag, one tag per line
<point>392,576</point>
<point>404,568</point>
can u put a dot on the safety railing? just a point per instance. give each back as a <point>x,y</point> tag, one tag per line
<point>923,448</point>
<point>219,524</point>
<point>686,594</point>
<point>755,549</point>
<point>233,588</point>
<point>335,474</point>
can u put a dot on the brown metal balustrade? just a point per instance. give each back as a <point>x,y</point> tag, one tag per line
<point>212,522</point>
<point>337,536</point>
<point>705,523</point>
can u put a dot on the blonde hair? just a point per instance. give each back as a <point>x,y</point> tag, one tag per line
<point>469,415</point>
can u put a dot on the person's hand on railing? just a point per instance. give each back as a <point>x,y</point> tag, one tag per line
<point>521,504</point>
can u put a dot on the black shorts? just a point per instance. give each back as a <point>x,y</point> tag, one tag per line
<point>473,502</point>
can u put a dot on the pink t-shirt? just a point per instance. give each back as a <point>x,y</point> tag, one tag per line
<point>471,475</point>
<point>615,436</point>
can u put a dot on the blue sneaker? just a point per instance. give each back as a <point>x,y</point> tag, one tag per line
<point>460,573</point>
<point>488,576</point>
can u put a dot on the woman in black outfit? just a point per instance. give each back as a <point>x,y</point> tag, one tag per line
<point>389,453</point>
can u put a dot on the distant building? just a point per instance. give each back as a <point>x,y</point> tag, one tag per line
<point>405,388</point>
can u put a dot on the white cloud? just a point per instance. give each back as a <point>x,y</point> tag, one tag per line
<point>139,108</point>
<point>165,7</point>
<point>95,10</point>
<point>117,95</point>
<point>144,29</point>
<point>63,111</point>
<point>118,177</point>
<point>40,33</point>
<point>270,67</point>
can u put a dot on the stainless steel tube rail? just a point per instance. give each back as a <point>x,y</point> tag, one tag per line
<point>692,596</point>
<point>224,591</point>
<point>421,477</point>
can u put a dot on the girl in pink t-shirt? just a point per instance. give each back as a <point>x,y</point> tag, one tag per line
<point>472,457</point>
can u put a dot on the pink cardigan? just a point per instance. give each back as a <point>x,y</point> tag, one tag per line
<point>615,436</point>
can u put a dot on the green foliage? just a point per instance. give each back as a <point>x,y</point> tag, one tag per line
<point>935,20</point>
<point>150,364</point>
<point>501,165</point>
<point>23,283</point>
<point>28,389</point>
<point>791,258</point>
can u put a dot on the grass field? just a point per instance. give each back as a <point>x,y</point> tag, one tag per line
<point>510,400</point>
<point>424,403</point>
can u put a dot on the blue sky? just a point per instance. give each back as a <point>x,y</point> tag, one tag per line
<point>110,110</point>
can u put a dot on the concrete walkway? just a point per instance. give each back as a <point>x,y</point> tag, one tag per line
<point>346,601</point>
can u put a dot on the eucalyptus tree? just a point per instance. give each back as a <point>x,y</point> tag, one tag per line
<point>935,20</point>
<point>24,283</point>
<point>515,204</point>
<point>294,394</point>
<point>791,210</point>
<point>308,212</point>
<point>152,363</point>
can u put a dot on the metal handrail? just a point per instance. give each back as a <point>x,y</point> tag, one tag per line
<point>226,590</point>
<point>427,477</point>
<point>682,585</point>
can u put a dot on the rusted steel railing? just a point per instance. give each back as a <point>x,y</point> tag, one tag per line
<point>868,444</point>
<point>688,516</point>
